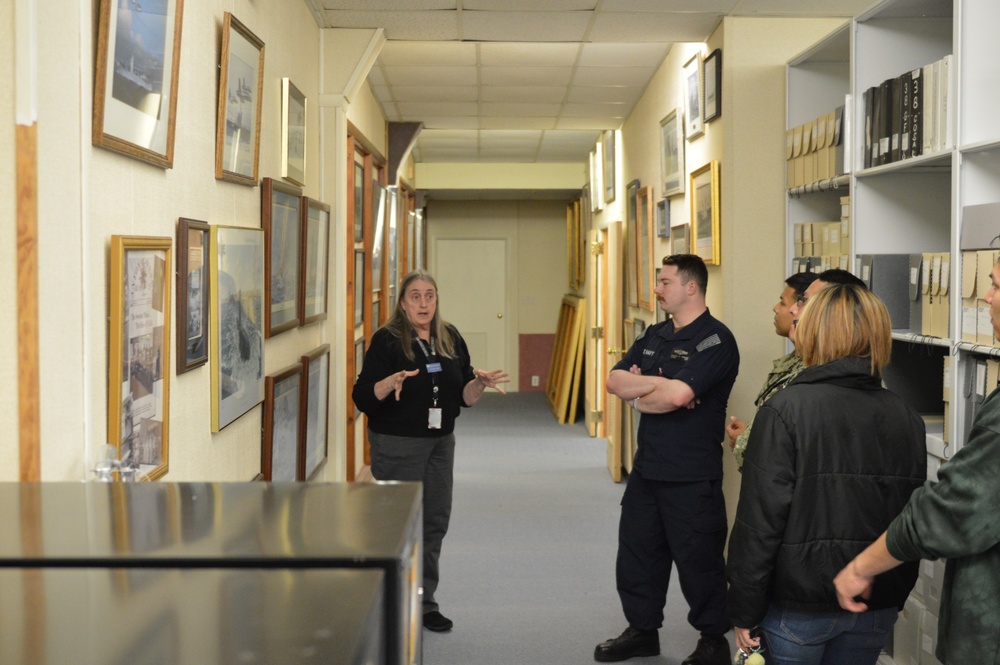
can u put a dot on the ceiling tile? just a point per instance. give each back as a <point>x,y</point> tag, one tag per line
<point>429,25</point>
<point>435,93</point>
<point>605,76</point>
<point>525,26</point>
<point>605,94</point>
<point>427,54</point>
<point>713,6</point>
<point>529,5</point>
<point>430,75</point>
<point>436,108</point>
<point>532,76</point>
<point>561,136</point>
<point>448,134</point>
<point>389,5</point>
<point>523,93</point>
<point>528,54</point>
<point>516,109</point>
<point>587,123</point>
<point>592,110</point>
<point>447,122</point>
<point>653,27</point>
<point>534,135</point>
<point>845,8</point>
<point>623,55</point>
<point>501,122</point>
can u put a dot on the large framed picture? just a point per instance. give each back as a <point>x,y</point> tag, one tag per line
<point>315,406</point>
<point>192,294</point>
<point>281,212</point>
<point>237,137</point>
<point>282,431</point>
<point>672,153</point>
<point>293,133</point>
<point>631,230</point>
<point>691,78</point>
<point>713,85</point>
<point>237,348</point>
<point>608,163</point>
<point>645,274</point>
<point>139,353</point>
<point>135,79</point>
<point>315,260</point>
<point>705,213</point>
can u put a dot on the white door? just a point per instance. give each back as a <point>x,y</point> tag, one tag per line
<point>472,284</point>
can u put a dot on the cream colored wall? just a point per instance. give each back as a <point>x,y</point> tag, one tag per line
<point>535,232</point>
<point>87,194</point>
<point>366,115</point>
<point>8,277</point>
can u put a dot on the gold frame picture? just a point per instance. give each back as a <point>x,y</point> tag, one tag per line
<point>293,133</point>
<point>705,213</point>
<point>237,129</point>
<point>135,80</point>
<point>139,353</point>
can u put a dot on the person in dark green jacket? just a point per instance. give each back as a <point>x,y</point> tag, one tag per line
<point>958,519</point>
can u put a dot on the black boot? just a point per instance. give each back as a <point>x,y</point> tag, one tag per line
<point>711,650</point>
<point>629,644</point>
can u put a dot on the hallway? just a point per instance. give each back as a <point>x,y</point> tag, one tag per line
<point>527,569</point>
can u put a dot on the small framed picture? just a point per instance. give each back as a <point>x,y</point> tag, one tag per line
<point>713,85</point>
<point>315,262</point>
<point>315,405</point>
<point>293,133</point>
<point>705,214</point>
<point>237,137</point>
<point>281,212</point>
<point>282,429</point>
<point>672,153</point>
<point>359,287</point>
<point>608,164</point>
<point>631,231</point>
<point>135,80</point>
<point>663,218</point>
<point>679,239</point>
<point>692,98</point>
<point>192,294</point>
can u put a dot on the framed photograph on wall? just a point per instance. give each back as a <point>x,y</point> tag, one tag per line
<point>608,162</point>
<point>679,239</point>
<point>359,287</point>
<point>237,133</point>
<point>281,219</point>
<point>282,429</point>
<point>237,322</point>
<point>392,242</point>
<point>713,85</point>
<point>662,219</point>
<point>192,294</point>
<point>359,361</point>
<point>631,229</point>
<point>293,133</point>
<point>645,275</point>
<point>359,202</point>
<point>315,405</point>
<point>139,353</point>
<point>691,80</point>
<point>315,261</point>
<point>135,80</point>
<point>705,214</point>
<point>378,235</point>
<point>672,153</point>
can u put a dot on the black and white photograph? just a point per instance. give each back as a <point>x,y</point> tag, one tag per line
<point>316,366</point>
<point>705,240</point>
<point>282,413</point>
<point>238,124</point>
<point>315,261</point>
<point>713,85</point>
<point>378,222</point>
<point>281,219</point>
<point>293,133</point>
<point>672,152</point>
<point>359,287</point>
<point>694,126</point>
<point>237,323</point>
<point>192,294</point>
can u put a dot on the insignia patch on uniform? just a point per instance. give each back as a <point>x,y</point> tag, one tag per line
<point>708,342</point>
<point>679,354</point>
<point>648,352</point>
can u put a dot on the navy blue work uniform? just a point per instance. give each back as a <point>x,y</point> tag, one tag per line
<point>673,509</point>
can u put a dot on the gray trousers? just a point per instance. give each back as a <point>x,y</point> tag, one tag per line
<point>430,460</point>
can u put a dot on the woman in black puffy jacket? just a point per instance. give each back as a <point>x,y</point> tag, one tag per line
<point>832,459</point>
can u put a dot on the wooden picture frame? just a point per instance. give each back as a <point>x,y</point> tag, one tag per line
<point>293,133</point>
<point>712,78</point>
<point>315,411</point>
<point>359,361</point>
<point>359,287</point>
<point>662,219</point>
<point>631,230</point>
<point>680,239</point>
<point>135,80</point>
<point>359,202</point>
<point>691,80</point>
<point>608,164</point>
<point>139,353</point>
<point>241,77</point>
<point>281,220</point>
<point>237,322</point>
<point>378,235</point>
<point>315,261</point>
<point>646,231</point>
<point>192,294</point>
<point>672,153</point>
<point>282,429</point>
<point>705,213</point>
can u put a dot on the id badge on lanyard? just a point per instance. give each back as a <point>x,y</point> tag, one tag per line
<point>433,369</point>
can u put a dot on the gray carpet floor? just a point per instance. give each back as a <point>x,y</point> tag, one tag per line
<point>527,568</point>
